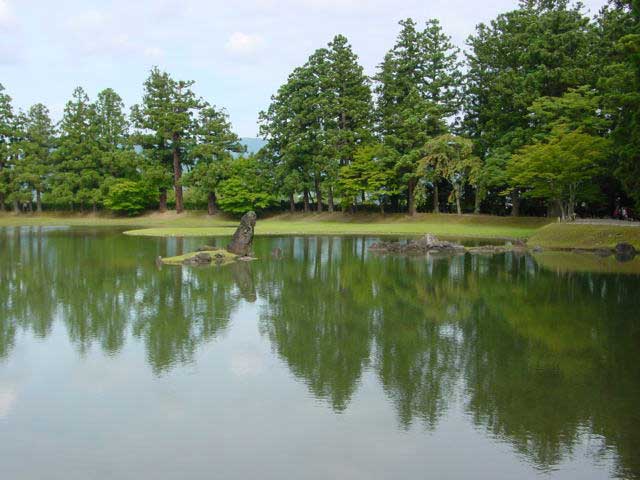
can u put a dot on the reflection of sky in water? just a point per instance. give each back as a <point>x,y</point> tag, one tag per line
<point>7,399</point>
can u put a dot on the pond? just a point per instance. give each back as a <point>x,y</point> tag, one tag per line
<point>331,362</point>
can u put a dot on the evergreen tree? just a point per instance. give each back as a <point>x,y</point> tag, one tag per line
<point>317,120</point>
<point>37,145</point>
<point>166,119</point>
<point>543,48</point>
<point>418,85</point>
<point>349,118</point>
<point>618,28</point>
<point>6,136</point>
<point>118,158</point>
<point>214,144</point>
<point>78,175</point>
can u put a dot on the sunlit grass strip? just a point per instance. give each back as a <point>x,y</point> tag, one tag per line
<point>563,262</point>
<point>333,228</point>
<point>569,235</point>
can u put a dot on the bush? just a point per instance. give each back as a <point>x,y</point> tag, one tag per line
<point>129,197</point>
<point>248,187</point>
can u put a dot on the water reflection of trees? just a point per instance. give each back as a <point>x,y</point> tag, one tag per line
<point>103,288</point>
<point>539,359</point>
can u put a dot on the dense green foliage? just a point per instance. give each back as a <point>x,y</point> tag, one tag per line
<point>540,116</point>
<point>128,197</point>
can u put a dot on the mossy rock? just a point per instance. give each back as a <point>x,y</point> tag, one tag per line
<point>219,257</point>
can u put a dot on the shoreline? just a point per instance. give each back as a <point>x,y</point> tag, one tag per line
<point>539,232</point>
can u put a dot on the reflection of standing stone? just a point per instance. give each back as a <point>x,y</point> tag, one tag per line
<point>242,239</point>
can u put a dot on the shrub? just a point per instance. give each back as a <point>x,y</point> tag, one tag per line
<point>129,197</point>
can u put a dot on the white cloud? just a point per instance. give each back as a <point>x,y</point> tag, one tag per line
<point>97,33</point>
<point>153,52</point>
<point>7,18</point>
<point>88,20</point>
<point>244,43</point>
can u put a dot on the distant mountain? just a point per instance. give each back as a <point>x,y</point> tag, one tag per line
<point>253,144</point>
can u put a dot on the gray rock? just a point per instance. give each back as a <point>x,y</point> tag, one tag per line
<point>427,244</point>
<point>200,258</point>
<point>243,237</point>
<point>625,252</point>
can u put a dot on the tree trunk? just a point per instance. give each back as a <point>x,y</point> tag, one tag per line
<point>292,203</point>
<point>318,196</point>
<point>436,198</point>
<point>177,174</point>
<point>478,199</point>
<point>563,216</point>
<point>458,207</point>
<point>212,207</point>
<point>571,214</point>
<point>515,200</point>
<point>163,200</point>
<point>330,199</point>
<point>94,208</point>
<point>38,201</point>
<point>381,206</point>
<point>306,200</point>
<point>2,206</point>
<point>16,206</point>
<point>411,201</point>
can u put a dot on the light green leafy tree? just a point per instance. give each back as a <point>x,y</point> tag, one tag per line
<point>371,172</point>
<point>247,186</point>
<point>450,157</point>
<point>560,168</point>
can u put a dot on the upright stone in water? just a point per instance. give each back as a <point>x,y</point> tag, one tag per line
<point>243,238</point>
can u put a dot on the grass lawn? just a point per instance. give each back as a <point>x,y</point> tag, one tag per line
<point>585,262</point>
<point>339,224</point>
<point>571,235</point>
<point>199,224</point>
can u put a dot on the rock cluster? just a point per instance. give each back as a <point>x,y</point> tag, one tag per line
<point>428,243</point>
<point>203,259</point>
<point>243,237</point>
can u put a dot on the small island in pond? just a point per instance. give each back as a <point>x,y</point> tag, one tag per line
<point>238,249</point>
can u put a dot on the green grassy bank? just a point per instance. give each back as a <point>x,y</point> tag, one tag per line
<point>574,235</point>
<point>339,224</point>
<point>538,231</point>
<point>200,224</point>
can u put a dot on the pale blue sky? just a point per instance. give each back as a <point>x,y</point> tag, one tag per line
<point>237,52</point>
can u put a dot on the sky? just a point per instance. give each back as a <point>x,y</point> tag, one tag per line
<point>238,52</point>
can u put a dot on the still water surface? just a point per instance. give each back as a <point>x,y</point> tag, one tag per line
<point>329,363</point>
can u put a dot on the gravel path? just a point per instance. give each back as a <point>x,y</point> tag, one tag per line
<point>607,221</point>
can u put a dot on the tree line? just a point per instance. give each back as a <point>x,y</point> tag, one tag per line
<point>539,115</point>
